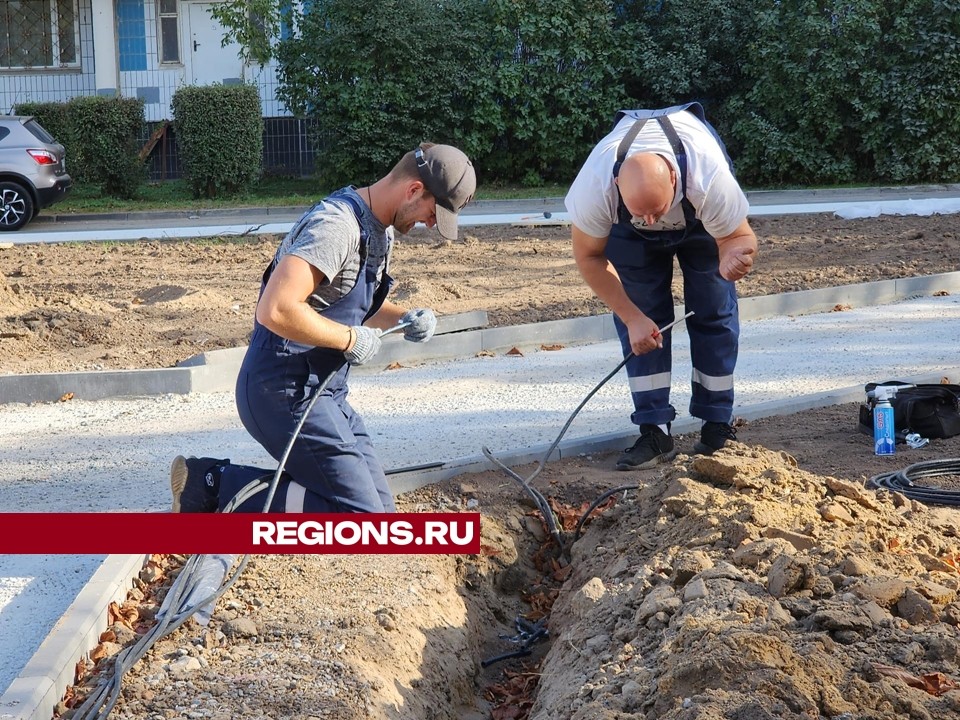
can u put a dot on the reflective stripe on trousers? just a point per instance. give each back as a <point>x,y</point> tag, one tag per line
<point>645,265</point>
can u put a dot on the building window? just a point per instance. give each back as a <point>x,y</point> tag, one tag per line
<point>169,33</point>
<point>38,33</point>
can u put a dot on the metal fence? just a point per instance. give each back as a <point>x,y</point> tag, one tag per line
<point>288,149</point>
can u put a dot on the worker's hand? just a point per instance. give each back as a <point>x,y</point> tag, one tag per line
<point>736,263</point>
<point>644,336</point>
<point>422,325</point>
<point>365,346</point>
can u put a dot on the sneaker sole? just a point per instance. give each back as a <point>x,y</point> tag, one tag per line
<point>178,480</point>
<point>653,462</point>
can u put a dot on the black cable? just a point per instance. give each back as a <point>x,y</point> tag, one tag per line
<point>905,481</point>
<point>596,504</point>
<point>537,496</point>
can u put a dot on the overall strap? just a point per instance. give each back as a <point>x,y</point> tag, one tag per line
<point>304,219</point>
<point>624,215</point>
<point>689,214</point>
<point>624,147</point>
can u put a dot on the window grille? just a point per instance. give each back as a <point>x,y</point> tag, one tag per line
<point>38,34</point>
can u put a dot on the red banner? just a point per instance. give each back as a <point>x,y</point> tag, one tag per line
<point>241,533</point>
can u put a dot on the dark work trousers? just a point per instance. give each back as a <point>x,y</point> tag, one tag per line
<point>332,466</point>
<point>644,262</point>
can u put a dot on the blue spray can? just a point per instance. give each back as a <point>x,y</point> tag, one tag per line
<point>884,434</point>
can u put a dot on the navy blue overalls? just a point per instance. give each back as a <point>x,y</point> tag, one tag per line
<point>332,462</point>
<point>644,260</point>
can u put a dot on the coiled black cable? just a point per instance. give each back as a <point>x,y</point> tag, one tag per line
<point>905,481</point>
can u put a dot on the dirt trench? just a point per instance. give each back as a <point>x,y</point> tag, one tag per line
<point>733,587</point>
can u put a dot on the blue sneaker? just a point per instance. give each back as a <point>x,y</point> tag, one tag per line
<point>194,483</point>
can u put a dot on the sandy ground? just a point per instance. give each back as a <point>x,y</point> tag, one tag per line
<point>90,306</point>
<point>766,582</point>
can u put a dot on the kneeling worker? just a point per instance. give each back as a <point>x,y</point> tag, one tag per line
<point>322,309</point>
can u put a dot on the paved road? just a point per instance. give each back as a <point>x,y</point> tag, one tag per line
<point>53,227</point>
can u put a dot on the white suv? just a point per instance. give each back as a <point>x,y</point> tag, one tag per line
<point>32,171</point>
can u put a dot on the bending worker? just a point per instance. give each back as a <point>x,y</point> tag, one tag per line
<point>322,308</point>
<point>659,186</point>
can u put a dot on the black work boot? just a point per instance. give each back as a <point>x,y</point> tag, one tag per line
<point>713,436</point>
<point>653,447</point>
<point>195,484</point>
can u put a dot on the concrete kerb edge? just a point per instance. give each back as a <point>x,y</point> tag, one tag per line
<point>216,371</point>
<point>40,685</point>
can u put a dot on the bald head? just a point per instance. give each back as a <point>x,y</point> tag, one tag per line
<point>647,186</point>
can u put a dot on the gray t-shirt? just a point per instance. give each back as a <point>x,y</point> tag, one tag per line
<point>328,237</point>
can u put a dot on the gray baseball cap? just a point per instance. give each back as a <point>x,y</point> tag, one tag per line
<point>449,176</point>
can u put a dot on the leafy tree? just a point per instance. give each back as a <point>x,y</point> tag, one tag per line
<point>684,50</point>
<point>815,82</point>
<point>556,85</point>
<point>915,134</point>
<point>381,76</point>
<point>522,87</point>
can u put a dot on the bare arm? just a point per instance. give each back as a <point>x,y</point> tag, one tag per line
<point>737,252</point>
<point>387,316</point>
<point>588,252</point>
<point>284,310</point>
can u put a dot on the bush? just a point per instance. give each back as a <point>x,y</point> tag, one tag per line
<point>106,132</point>
<point>54,118</point>
<point>220,135</point>
<point>100,135</point>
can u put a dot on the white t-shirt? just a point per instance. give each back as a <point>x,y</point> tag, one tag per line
<point>713,191</point>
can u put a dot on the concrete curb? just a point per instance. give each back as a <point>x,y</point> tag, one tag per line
<point>40,686</point>
<point>216,371</point>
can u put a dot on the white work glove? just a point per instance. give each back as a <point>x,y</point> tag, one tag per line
<point>422,325</point>
<point>366,345</point>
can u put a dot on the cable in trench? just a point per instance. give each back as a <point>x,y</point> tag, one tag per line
<point>536,495</point>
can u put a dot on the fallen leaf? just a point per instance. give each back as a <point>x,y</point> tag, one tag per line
<point>485,353</point>
<point>941,293</point>
<point>936,683</point>
<point>66,396</point>
<point>840,308</point>
<point>552,347</point>
<point>394,366</point>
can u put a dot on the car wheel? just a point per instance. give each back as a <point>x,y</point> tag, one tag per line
<point>16,206</point>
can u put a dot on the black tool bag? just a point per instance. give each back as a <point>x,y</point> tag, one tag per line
<point>930,410</point>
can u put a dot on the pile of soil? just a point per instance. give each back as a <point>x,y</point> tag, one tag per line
<point>767,581</point>
<point>753,584</point>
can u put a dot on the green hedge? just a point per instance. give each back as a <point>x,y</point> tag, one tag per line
<point>220,137</point>
<point>802,91</point>
<point>101,137</point>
